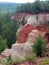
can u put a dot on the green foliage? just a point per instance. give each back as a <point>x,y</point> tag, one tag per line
<point>36,7</point>
<point>30,57</point>
<point>8,29</point>
<point>3,62</point>
<point>39,46</point>
<point>20,60</point>
<point>44,61</point>
<point>7,61</point>
<point>3,44</point>
<point>10,60</point>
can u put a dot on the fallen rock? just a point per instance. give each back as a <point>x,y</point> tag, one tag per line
<point>6,53</point>
<point>19,50</point>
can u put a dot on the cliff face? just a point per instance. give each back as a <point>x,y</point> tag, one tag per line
<point>19,17</point>
<point>23,35</point>
<point>29,22</point>
<point>34,19</point>
<point>26,38</point>
<point>27,35</point>
<point>24,32</point>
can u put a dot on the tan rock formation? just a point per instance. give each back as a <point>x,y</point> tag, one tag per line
<point>33,35</point>
<point>20,50</point>
<point>6,53</point>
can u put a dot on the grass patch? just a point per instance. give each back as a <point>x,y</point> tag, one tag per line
<point>44,61</point>
<point>30,57</point>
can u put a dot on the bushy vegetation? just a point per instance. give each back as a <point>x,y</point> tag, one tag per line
<point>10,60</point>
<point>20,60</point>
<point>7,61</point>
<point>35,7</point>
<point>45,61</point>
<point>30,57</point>
<point>39,46</point>
<point>3,44</point>
<point>8,29</point>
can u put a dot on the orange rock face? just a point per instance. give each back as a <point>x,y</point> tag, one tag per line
<point>22,37</point>
<point>42,28</point>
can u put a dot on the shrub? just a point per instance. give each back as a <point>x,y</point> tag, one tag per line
<point>2,44</point>
<point>7,61</point>
<point>45,61</point>
<point>20,60</point>
<point>8,29</point>
<point>39,46</point>
<point>30,57</point>
<point>10,60</point>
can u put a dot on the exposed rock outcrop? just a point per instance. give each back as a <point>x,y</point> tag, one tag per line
<point>20,50</point>
<point>23,35</point>
<point>26,38</point>
<point>6,53</point>
<point>33,35</point>
<point>27,34</point>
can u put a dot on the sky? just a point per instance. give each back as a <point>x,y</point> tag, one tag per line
<point>18,1</point>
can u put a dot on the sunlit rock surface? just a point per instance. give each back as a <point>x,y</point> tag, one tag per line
<point>32,20</point>
<point>33,35</point>
<point>6,53</point>
<point>20,50</point>
<point>17,50</point>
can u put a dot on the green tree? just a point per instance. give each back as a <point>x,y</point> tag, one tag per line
<point>39,46</point>
<point>3,44</point>
<point>8,29</point>
<point>36,7</point>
